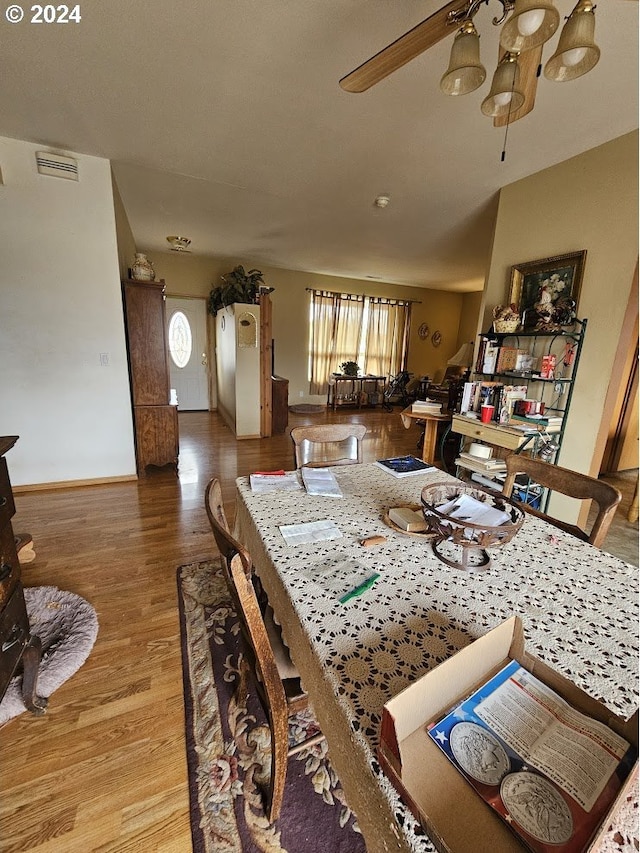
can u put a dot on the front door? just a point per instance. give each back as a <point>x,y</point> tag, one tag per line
<point>188,352</point>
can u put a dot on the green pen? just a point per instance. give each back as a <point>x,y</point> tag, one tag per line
<point>358,590</point>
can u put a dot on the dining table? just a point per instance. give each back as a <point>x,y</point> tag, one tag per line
<point>578,606</point>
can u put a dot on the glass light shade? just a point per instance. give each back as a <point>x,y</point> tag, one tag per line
<point>505,96</point>
<point>465,72</point>
<point>577,52</point>
<point>533,22</point>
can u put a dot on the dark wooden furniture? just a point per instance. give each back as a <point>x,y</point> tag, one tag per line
<point>17,644</point>
<point>570,483</point>
<point>309,444</point>
<point>279,405</point>
<point>155,421</point>
<point>359,391</point>
<point>275,677</point>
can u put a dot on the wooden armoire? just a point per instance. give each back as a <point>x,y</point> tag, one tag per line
<point>155,420</point>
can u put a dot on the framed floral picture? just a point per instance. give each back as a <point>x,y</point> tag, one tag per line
<point>546,292</point>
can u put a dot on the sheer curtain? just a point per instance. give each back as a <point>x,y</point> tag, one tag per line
<point>387,339</point>
<point>336,329</point>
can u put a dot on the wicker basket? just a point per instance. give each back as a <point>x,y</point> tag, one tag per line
<point>503,326</point>
<point>473,539</point>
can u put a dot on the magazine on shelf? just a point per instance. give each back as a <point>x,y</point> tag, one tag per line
<point>404,466</point>
<point>550,772</point>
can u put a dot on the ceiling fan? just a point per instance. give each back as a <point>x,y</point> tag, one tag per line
<point>513,89</point>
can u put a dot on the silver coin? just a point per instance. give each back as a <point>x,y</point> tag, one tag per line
<point>537,806</point>
<point>479,753</point>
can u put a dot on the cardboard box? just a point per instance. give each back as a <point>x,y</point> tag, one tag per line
<point>452,813</point>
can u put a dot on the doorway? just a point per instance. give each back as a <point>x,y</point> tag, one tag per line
<point>188,352</point>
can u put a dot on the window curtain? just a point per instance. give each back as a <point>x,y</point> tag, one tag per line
<point>336,328</point>
<point>387,339</point>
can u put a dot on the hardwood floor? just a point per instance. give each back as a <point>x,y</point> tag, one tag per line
<point>105,769</point>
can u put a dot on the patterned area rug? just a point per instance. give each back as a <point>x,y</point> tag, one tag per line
<point>228,746</point>
<point>67,626</point>
<point>307,409</point>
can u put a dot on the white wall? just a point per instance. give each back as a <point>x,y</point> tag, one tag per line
<point>60,308</point>
<point>238,373</point>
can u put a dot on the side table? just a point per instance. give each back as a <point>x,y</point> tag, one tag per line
<point>431,423</point>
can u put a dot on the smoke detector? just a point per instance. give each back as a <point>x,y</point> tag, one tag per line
<point>179,244</point>
<point>56,165</point>
<point>382,201</point>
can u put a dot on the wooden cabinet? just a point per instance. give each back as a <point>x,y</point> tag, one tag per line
<point>279,405</point>
<point>17,644</point>
<point>155,420</point>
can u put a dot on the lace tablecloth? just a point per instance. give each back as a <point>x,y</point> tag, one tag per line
<point>578,606</point>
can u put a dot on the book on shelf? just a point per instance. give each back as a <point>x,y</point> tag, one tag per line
<point>548,770</point>
<point>482,463</point>
<point>538,420</point>
<point>507,358</point>
<point>404,466</point>
<point>489,481</point>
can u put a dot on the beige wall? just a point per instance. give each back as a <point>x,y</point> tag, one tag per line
<point>589,202</point>
<point>124,235</point>
<point>193,275</point>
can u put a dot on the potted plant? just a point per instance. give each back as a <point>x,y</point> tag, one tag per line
<point>237,286</point>
<point>349,368</point>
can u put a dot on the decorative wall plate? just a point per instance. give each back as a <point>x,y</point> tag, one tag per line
<point>423,332</point>
<point>436,339</point>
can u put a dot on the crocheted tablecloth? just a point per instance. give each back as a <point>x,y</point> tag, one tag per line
<point>578,606</point>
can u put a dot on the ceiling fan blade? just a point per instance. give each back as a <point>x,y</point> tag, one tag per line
<point>423,36</point>
<point>529,63</point>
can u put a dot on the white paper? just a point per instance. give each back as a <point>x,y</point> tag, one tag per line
<point>264,483</point>
<point>467,508</point>
<point>311,531</point>
<point>320,481</point>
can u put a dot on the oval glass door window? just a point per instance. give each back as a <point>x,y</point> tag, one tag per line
<point>180,339</point>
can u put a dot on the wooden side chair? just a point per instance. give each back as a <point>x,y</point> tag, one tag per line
<point>312,444</point>
<point>276,679</point>
<point>570,483</point>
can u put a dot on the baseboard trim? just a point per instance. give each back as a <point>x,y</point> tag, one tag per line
<point>73,484</point>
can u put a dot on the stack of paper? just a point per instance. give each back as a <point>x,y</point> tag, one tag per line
<point>427,407</point>
<point>274,481</point>
<point>321,481</point>
<point>310,531</point>
<point>466,508</point>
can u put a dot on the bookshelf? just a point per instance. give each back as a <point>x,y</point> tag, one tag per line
<point>537,367</point>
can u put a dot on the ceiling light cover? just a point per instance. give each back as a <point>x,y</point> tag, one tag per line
<point>533,22</point>
<point>382,201</point>
<point>577,52</point>
<point>505,96</point>
<point>179,244</point>
<point>465,72</point>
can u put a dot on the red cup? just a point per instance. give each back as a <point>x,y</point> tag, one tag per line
<point>486,413</point>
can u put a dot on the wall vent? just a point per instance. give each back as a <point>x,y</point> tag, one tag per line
<point>57,166</point>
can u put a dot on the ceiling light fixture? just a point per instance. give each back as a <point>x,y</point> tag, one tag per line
<point>179,244</point>
<point>531,24</point>
<point>465,72</point>
<point>577,52</point>
<point>382,201</point>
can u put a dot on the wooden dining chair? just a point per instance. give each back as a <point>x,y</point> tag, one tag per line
<point>570,483</point>
<point>328,444</point>
<point>276,679</point>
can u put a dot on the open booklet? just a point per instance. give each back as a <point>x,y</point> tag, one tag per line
<point>549,771</point>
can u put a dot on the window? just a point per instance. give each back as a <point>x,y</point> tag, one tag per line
<point>180,339</point>
<point>372,331</point>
